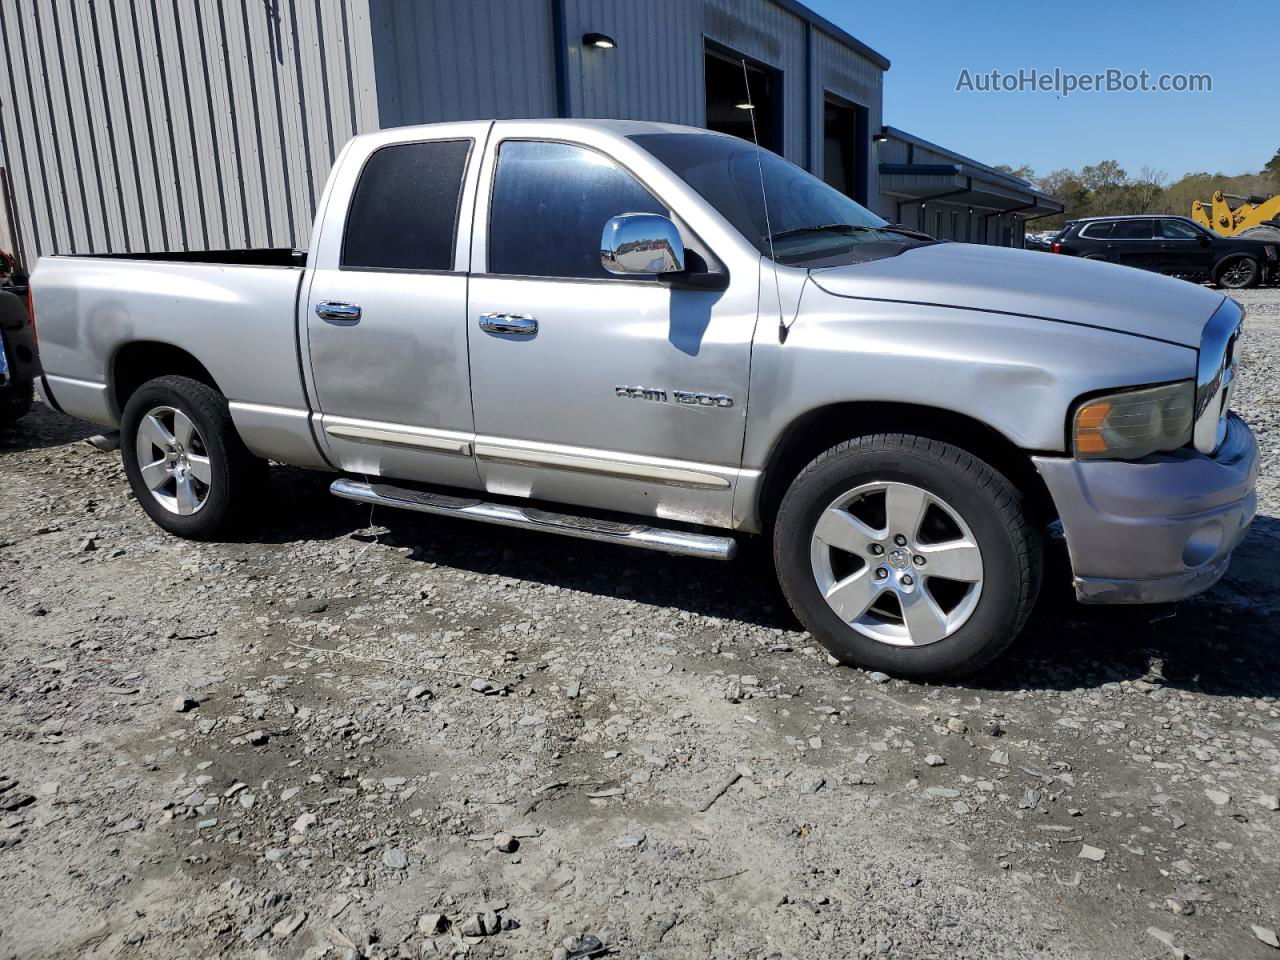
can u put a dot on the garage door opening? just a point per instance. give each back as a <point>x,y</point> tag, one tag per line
<point>844,139</point>
<point>728,103</point>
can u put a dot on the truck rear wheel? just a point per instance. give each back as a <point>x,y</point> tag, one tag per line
<point>185,462</point>
<point>907,555</point>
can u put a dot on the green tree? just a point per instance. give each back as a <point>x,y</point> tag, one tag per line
<point>1106,175</point>
<point>1272,167</point>
<point>1023,172</point>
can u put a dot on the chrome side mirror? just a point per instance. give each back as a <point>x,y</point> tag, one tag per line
<point>641,243</point>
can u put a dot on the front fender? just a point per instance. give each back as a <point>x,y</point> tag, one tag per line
<point>1018,375</point>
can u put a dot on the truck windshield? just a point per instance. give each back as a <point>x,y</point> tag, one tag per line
<point>812,224</point>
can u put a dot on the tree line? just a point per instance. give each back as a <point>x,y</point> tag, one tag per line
<point>1106,189</point>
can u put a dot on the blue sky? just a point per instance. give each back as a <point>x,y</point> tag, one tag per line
<point>1234,129</point>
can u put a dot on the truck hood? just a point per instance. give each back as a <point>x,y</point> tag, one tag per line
<point>1035,285</point>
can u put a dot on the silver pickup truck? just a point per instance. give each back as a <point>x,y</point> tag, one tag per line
<point>663,337</point>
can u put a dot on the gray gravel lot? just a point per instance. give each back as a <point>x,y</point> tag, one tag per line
<point>387,735</point>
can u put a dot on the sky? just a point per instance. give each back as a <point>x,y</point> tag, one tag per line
<point>1233,129</point>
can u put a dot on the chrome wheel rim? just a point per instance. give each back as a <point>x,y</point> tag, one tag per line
<point>173,460</point>
<point>897,563</point>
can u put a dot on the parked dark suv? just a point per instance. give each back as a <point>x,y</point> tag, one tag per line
<point>1173,245</point>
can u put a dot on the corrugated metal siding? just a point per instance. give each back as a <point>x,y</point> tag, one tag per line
<point>180,124</point>
<point>767,32</point>
<point>846,73</point>
<point>442,60</point>
<point>655,72</point>
<point>177,124</point>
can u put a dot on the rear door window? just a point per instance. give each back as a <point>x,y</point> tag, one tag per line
<point>1133,230</point>
<point>549,207</point>
<point>404,210</point>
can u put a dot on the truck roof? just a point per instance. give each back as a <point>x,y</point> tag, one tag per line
<point>622,127</point>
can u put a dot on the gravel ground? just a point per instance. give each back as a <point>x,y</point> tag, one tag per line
<point>388,735</point>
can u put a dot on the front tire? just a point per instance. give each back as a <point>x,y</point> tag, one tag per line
<point>1238,273</point>
<point>187,466</point>
<point>907,555</point>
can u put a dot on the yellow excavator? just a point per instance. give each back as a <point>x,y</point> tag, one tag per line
<point>1257,218</point>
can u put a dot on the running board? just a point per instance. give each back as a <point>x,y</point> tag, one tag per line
<point>679,542</point>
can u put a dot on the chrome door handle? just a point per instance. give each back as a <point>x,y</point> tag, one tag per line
<point>517,324</point>
<point>339,314</point>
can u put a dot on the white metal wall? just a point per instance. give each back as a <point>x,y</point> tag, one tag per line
<point>177,124</point>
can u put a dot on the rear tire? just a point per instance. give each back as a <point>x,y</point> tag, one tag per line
<point>202,486</point>
<point>1238,273</point>
<point>951,586</point>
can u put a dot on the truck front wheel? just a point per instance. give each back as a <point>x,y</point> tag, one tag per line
<point>185,462</point>
<point>907,555</point>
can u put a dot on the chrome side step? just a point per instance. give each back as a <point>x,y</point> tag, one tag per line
<point>679,542</point>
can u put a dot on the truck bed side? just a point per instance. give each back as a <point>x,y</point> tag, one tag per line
<point>96,317</point>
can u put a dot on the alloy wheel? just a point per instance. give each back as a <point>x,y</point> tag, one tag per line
<point>897,563</point>
<point>174,460</point>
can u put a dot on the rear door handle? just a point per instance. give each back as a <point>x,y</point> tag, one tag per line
<point>339,314</point>
<point>516,324</point>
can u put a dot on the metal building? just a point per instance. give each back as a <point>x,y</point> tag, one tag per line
<point>145,125</point>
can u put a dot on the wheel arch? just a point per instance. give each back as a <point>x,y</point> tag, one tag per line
<point>818,430</point>
<point>1233,255</point>
<point>138,361</point>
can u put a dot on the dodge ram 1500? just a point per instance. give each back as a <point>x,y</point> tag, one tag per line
<point>667,338</point>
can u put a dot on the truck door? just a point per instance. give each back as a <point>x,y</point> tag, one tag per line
<point>386,336</point>
<point>620,393</point>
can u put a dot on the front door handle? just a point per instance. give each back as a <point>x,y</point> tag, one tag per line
<point>339,314</point>
<point>517,324</point>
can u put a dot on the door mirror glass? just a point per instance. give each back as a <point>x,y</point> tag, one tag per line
<point>643,243</point>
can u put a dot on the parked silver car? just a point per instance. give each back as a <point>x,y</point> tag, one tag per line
<point>600,329</point>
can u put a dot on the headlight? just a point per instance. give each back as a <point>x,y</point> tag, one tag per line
<point>1134,423</point>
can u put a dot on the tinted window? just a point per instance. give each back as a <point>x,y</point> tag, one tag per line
<point>404,212</point>
<point>1133,230</point>
<point>550,204</point>
<point>1178,230</point>
<point>1097,231</point>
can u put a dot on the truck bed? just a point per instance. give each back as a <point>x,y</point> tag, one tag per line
<point>234,310</point>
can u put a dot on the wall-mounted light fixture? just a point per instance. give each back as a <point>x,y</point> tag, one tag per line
<point>598,40</point>
<point>880,138</point>
<point>744,106</point>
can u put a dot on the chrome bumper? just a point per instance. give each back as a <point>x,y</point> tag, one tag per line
<point>1157,530</point>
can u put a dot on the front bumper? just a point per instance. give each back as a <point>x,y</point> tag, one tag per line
<point>1156,530</point>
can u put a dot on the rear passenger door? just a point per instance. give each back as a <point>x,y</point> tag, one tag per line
<point>385,315</point>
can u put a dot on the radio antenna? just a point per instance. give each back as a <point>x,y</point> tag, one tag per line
<point>764,196</point>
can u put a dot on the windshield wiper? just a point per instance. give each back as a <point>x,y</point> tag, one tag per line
<point>821,228</point>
